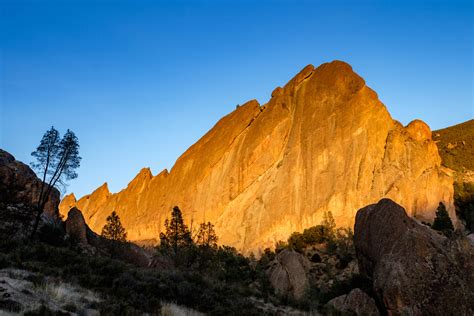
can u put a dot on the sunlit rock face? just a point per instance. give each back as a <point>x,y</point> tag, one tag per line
<point>324,142</point>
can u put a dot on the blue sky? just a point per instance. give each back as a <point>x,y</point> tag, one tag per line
<point>141,81</point>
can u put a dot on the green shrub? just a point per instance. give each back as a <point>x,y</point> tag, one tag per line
<point>296,242</point>
<point>317,234</point>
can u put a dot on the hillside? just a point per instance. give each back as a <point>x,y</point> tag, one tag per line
<point>456,145</point>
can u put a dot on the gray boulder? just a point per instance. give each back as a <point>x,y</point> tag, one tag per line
<point>354,303</point>
<point>289,274</point>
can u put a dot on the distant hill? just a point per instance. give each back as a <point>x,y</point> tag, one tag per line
<point>456,145</point>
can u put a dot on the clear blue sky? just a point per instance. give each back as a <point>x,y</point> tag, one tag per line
<point>141,81</point>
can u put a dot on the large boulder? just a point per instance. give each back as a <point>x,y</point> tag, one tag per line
<point>414,269</point>
<point>289,274</point>
<point>354,303</point>
<point>91,243</point>
<point>76,226</point>
<point>19,184</point>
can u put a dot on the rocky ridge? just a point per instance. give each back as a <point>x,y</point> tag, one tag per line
<point>323,142</point>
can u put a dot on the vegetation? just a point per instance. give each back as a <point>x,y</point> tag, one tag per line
<point>326,233</point>
<point>127,289</point>
<point>177,234</point>
<point>113,229</point>
<point>193,272</point>
<point>206,236</point>
<point>56,160</point>
<point>442,221</point>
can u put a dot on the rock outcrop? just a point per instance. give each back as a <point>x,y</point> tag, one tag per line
<point>76,226</point>
<point>19,184</point>
<point>323,142</point>
<point>414,269</point>
<point>289,274</point>
<point>93,244</point>
<point>354,303</point>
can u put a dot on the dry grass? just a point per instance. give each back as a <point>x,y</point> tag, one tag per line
<point>32,293</point>
<point>171,309</point>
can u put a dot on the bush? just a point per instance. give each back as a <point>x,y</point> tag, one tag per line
<point>317,234</point>
<point>296,242</point>
<point>52,234</point>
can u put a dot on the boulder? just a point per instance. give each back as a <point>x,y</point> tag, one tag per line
<point>91,243</point>
<point>414,269</point>
<point>19,184</point>
<point>354,303</point>
<point>289,274</point>
<point>470,237</point>
<point>76,226</point>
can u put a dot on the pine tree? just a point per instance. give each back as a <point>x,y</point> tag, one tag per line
<point>442,220</point>
<point>329,223</point>
<point>206,236</point>
<point>56,161</point>
<point>176,233</point>
<point>113,229</point>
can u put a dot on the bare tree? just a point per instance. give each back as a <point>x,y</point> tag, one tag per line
<point>56,160</point>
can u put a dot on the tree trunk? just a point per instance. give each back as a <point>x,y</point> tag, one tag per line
<point>39,211</point>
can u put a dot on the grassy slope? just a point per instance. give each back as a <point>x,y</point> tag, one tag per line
<point>456,145</point>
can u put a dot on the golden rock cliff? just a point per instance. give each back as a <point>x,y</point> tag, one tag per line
<point>323,142</point>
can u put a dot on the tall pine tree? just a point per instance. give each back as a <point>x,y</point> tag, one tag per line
<point>56,161</point>
<point>113,229</point>
<point>442,220</point>
<point>176,233</point>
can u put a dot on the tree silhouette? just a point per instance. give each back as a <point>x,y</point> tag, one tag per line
<point>206,236</point>
<point>442,220</point>
<point>176,233</point>
<point>56,160</point>
<point>113,229</point>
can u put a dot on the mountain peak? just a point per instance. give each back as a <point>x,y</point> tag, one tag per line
<point>323,142</point>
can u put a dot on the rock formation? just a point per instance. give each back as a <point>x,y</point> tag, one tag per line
<point>289,274</point>
<point>19,184</point>
<point>414,269</point>
<point>76,226</point>
<point>354,303</point>
<point>323,142</point>
<point>93,244</point>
